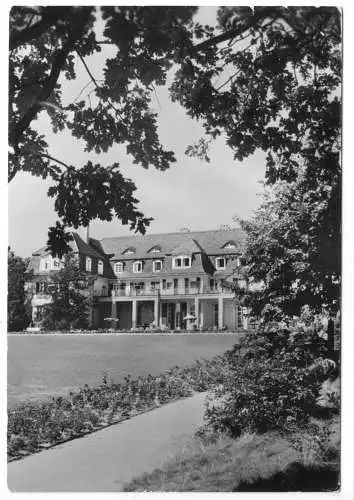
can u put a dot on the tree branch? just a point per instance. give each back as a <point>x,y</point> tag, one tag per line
<point>68,167</point>
<point>58,64</point>
<point>77,27</point>
<point>95,82</point>
<point>50,16</point>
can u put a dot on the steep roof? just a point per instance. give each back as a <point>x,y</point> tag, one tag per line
<point>84,248</point>
<point>188,247</point>
<point>211,242</point>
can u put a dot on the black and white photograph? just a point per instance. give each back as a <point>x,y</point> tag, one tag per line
<point>174,249</point>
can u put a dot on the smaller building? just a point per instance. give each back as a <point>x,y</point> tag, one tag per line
<point>174,281</point>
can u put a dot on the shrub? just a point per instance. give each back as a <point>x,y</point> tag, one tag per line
<point>272,380</point>
<point>44,423</point>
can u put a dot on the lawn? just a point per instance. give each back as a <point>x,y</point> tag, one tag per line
<point>44,365</point>
<point>252,463</point>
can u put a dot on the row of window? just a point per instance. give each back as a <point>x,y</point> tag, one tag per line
<point>230,245</point>
<point>88,265</point>
<point>49,263</point>
<point>181,262</point>
<point>177,263</point>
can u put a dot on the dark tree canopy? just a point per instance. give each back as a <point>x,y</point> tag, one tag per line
<point>44,42</point>
<point>267,79</point>
<point>69,289</point>
<point>18,314</point>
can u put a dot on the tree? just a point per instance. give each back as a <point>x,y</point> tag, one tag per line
<point>282,96</point>
<point>70,297</point>
<point>44,42</point>
<point>282,252</point>
<point>18,316</point>
<point>267,78</point>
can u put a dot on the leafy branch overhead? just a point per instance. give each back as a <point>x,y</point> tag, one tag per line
<point>44,44</point>
<point>266,79</point>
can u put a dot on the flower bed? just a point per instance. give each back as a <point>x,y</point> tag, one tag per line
<point>34,426</point>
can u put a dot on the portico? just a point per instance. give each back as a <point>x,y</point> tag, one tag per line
<point>209,312</point>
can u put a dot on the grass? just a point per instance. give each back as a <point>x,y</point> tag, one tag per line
<point>267,462</point>
<point>35,426</point>
<point>46,365</point>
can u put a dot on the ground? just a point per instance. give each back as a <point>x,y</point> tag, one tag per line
<point>43,365</point>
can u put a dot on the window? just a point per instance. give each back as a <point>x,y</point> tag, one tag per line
<point>156,249</point>
<point>100,267</point>
<point>157,266</point>
<point>230,245</point>
<point>129,251</point>
<point>118,267</point>
<point>182,262</point>
<point>56,264</point>
<point>220,263</point>
<point>88,264</point>
<point>137,267</point>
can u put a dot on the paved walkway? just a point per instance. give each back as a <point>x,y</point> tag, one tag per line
<point>107,459</point>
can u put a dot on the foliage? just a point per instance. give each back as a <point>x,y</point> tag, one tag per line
<point>69,289</point>
<point>268,78</point>
<point>33,426</point>
<point>283,97</point>
<point>18,313</point>
<point>45,45</point>
<point>293,251</point>
<point>274,381</point>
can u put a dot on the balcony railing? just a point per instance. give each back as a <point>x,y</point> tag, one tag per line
<point>168,292</point>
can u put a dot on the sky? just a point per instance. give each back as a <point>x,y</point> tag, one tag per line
<point>192,193</point>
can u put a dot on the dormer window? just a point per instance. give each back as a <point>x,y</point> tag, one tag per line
<point>100,267</point>
<point>156,249</point>
<point>129,251</point>
<point>118,267</point>
<point>220,263</point>
<point>137,266</point>
<point>88,264</point>
<point>230,245</point>
<point>157,266</point>
<point>182,262</point>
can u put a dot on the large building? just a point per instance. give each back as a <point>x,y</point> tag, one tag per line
<point>179,280</point>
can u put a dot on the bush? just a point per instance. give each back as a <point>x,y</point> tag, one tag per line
<point>32,426</point>
<point>273,380</point>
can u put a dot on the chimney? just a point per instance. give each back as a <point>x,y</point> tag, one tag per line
<point>88,234</point>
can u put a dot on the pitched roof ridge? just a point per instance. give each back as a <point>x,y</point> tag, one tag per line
<point>174,232</point>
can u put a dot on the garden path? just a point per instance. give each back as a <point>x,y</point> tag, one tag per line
<point>107,459</point>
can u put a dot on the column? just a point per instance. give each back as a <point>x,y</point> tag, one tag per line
<point>201,314</point>
<point>189,323</point>
<point>221,312</point>
<point>196,311</point>
<point>178,319</point>
<point>134,313</point>
<point>157,312</point>
<point>114,314</point>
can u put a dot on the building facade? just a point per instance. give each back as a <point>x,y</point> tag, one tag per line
<point>171,281</point>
